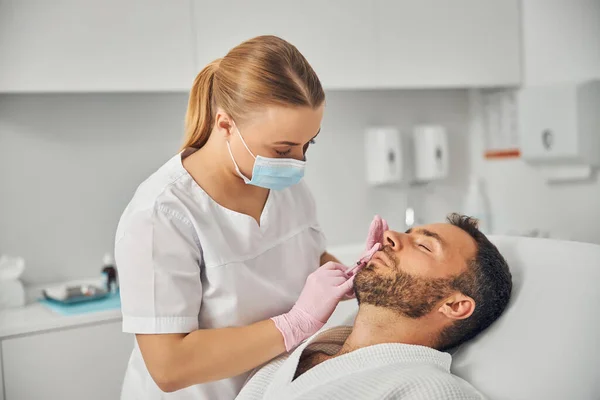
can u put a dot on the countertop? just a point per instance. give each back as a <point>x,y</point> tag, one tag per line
<point>35,317</point>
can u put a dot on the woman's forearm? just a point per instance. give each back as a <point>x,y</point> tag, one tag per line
<point>179,361</point>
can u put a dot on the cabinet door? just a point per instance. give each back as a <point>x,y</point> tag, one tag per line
<point>85,45</point>
<point>335,36</point>
<point>459,43</point>
<point>80,363</point>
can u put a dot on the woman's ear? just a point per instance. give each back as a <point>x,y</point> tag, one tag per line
<point>224,124</point>
<point>458,306</point>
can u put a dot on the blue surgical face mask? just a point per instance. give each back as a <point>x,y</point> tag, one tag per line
<point>271,173</point>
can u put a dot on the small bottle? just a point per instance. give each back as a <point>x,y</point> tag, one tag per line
<point>109,273</point>
<point>477,205</point>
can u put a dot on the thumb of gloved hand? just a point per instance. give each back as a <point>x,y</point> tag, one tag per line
<point>376,230</point>
<point>374,242</point>
<point>323,290</point>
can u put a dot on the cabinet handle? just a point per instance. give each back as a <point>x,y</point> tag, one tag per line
<point>547,139</point>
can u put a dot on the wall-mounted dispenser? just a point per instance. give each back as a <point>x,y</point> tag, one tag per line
<point>559,129</point>
<point>384,160</point>
<point>430,143</point>
<point>392,157</point>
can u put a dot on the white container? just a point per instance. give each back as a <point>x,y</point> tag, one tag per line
<point>383,153</point>
<point>12,292</point>
<point>430,153</point>
<point>477,204</point>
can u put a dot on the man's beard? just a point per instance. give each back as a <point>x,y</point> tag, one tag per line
<point>409,295</point>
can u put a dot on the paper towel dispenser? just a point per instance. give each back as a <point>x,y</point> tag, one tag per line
<point>384,158</point>
<point>430,144</point>
<point>559,129</point>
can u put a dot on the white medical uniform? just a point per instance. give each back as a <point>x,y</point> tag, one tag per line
<point>187,263</point>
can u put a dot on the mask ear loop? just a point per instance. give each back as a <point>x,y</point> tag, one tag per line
<point>237,169</point>
<point>243,141</point>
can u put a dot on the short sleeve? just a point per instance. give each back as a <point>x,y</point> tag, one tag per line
<point>158,259</point>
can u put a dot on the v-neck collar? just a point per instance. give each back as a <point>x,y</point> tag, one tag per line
<point>283,384</point>
<point>264,215</point>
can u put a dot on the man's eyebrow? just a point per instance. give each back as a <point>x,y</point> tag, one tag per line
<point>428,233</point>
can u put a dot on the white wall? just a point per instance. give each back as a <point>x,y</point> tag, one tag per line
<point>561,44</point>
<point>70,163</point>
<point>68,166</point>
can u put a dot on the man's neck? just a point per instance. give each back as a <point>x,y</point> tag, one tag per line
<point>376,325</point>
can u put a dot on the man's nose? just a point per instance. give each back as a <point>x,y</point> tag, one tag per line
<point>393,240</point>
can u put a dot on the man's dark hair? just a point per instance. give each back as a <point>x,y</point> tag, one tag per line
<point>487,280</point>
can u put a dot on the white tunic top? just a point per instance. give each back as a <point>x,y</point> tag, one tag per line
<point>187,263</point>
<point>385,371</point>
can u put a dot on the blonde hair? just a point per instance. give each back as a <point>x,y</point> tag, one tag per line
<point>260,72</point>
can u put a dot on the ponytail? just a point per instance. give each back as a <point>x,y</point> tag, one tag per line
<point>199,118</point>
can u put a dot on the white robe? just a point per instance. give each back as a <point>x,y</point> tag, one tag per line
<point>385,371</point>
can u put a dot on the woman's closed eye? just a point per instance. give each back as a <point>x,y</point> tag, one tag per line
<point>283,153</point>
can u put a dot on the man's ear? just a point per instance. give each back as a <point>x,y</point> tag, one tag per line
<point>458,306</point>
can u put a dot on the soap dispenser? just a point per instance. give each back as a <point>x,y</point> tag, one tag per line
<point>109,273</point>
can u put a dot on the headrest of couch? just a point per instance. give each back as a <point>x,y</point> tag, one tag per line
<point>547,343</point>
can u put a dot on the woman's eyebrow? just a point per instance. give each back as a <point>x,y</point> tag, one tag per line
<point>286,143</point>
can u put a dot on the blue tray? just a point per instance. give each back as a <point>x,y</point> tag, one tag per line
<point>110,302</point>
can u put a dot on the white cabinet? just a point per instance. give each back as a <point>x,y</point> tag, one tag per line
<point>87,362</point>
<point>337,37</point>
<point>459,43</point>
<point>158,45</point>
<point>378,44</point>
<point>100,46</point>
<point>553,29</point>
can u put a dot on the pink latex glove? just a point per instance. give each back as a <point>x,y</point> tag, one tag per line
<point>322,292</point>
<point>374,243</point>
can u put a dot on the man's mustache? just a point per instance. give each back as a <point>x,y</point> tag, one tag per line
<point>391,255</point>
